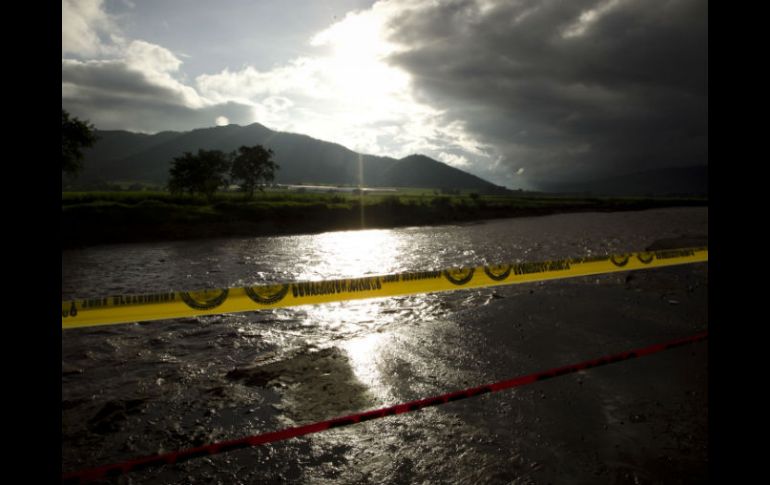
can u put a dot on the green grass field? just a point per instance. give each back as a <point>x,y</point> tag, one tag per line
<point>125,216</point>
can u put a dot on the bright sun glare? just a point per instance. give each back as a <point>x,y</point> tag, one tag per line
<point>356,65</point>
<point>352,254</point>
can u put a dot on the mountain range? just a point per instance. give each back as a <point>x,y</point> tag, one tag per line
<point>126,156</point>
<point>122,156</point>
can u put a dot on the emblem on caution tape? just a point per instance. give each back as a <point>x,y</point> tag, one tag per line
<point>205,299</point>
<point>267,294</point>
<point>645,257</point>
<point>459,276</point>
<point>498,272</point>
<point>620,260</point>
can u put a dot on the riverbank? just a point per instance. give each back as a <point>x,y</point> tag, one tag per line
<point>89,219</point>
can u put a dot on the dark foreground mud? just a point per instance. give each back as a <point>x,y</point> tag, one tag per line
<point>134,390</point>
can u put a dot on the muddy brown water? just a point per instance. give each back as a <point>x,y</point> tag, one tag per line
<point>138,389</point>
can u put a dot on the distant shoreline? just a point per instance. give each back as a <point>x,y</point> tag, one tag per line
<point>97,219</point>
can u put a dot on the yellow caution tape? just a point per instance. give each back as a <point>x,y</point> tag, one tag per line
<point>157,306</point>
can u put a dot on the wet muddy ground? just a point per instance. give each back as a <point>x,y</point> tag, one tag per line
<point>138,389</point>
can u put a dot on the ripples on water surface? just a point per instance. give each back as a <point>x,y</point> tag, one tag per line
<point>136,389</point>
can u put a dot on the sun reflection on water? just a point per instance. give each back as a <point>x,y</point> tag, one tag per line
<point>356,325</point>
<point>363,355</point>
<point>351,254</point>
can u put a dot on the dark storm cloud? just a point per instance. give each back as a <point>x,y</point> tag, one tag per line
<point>113,95</point>
<point>628,93</point>
<point>116,78</point>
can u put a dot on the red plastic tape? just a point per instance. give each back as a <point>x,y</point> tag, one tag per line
<point>116,469</point>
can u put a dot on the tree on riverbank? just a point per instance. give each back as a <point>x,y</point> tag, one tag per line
<point>203,173</point>
<point>254,167</point>
<point>75,135</point>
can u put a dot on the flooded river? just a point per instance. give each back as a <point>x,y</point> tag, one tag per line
<point>143,388</point>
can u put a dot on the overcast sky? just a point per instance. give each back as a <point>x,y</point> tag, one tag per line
<point>520,92</point>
